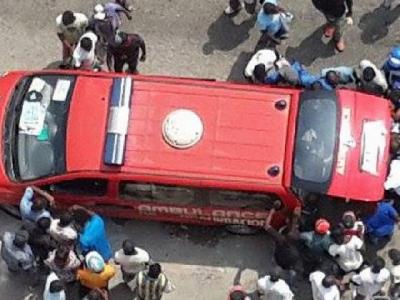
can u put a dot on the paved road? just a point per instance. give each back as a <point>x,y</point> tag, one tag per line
<point>190,38</point>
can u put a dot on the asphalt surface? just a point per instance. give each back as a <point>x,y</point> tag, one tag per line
<point>191,39</point>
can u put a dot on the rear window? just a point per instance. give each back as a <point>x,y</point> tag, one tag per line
<point>316,136</point>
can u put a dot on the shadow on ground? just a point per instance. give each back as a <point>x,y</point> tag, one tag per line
<point>238,67</point>
<point>311,48</point>
<point>375,25</point>
<point>225,35</point>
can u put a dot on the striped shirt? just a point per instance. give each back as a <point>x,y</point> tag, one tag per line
<point>152,289</point>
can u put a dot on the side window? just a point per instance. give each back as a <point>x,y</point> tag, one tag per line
<point>148,192</point>
<point>84,186</point>
<point>178,195</point>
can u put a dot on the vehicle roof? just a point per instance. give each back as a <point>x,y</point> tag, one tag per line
<point>244,133</point>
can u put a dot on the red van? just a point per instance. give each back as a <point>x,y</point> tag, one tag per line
<point>186,150</point>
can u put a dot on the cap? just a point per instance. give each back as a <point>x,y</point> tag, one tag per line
<point>94,262</point>
<point>322,226</point>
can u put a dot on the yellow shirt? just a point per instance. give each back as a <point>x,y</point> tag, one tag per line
<point>96,280</point>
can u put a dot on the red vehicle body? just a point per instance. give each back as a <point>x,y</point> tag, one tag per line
<point>246,146</point>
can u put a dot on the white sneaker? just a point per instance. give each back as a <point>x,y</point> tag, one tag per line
<point>230,11</point>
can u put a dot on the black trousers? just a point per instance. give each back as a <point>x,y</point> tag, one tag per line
<point>131,60</point>
<point>249,5</point>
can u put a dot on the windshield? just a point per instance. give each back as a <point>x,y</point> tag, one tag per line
<point>36,126</point>
<point>316,136</point>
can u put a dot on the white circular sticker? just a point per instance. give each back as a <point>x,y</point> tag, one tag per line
<point>182,128</point>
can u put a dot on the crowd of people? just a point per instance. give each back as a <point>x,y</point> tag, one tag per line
<point>96,42</point>
<point>65,250</point>
<point>68,249</point>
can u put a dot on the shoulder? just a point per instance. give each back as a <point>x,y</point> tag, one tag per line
<point>59,20</point>
<point>316,276</point>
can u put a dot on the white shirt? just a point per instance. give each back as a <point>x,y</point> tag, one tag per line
<point>319,291</point>
<point>267,57</point>
<point>393,179</point>
<point>274,290</point>
<point>132,263</point>
<point>47,295</point>
<point>379,79</point>
<point>369,282</point>
<point>74,31</point>
<point>62,234</point>
<point>85,59</point>
<point>395,272</point>
<point>347,255</point>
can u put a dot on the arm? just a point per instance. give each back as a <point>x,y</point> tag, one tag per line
<point>278,238</point>
<point>142,46</point>
<point>77,207</point>
<point>109,60</point>
<point>44,194</point>
<point>169,287</point>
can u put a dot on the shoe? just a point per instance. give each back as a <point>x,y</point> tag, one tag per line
<point>230,11</point>
<point>340,45</point>
<point>329,31</point>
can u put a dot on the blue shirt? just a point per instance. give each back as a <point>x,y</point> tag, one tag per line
<point>382,223</point>
<point>93,238</point>
<point>346,74</point>
<point>25,207</point>
<point>269,23</point>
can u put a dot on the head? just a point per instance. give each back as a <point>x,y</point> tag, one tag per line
<point>377,265</point>
<point>332,78</point>
<point>260,72</point>
<point>328,281</point>
<point>394,255</point>
<point>66,219</point>
<point>237,295</point>
<point>394,143</point>
<point>270,9</point>
<point>94,295</point>
<point>67,18</point>
<point>274,276</point>
<point>61,256</point>
<point>56,286</point>
<point>349,219</point>
<point>322,226</point>
<point>44,223</point>
<point>38,204</point>
<point>81,217</point>
<point>21,238</point>
<point>86,44</point>
<point>94,262</point>
<point>368,74</point>
<point>154,271</point>
<point>128,247</point>
<point>337,235</point>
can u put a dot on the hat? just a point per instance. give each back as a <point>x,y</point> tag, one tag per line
<point>322,226</point>
<point>99,13</point>
<point>94,262</point>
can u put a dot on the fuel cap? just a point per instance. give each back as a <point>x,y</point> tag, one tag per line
<point>182,128</point>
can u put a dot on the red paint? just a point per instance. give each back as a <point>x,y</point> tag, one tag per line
<point>244,135</point>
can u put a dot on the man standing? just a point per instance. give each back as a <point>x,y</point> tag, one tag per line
<point>70,27</point>
<point>131,259</point>
<point>16,252</point>
<point>337,13</point>
<point>84,56</point>
<point>371,280</point>
<point>324,287</point>
<point>274,287</point>
<point>152,284</point>
<point>126,53</point>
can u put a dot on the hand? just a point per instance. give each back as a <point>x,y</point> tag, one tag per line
<point>129,17</point>
<point>349,21</point>
<point>143,58</point>
<point>267,226</point>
